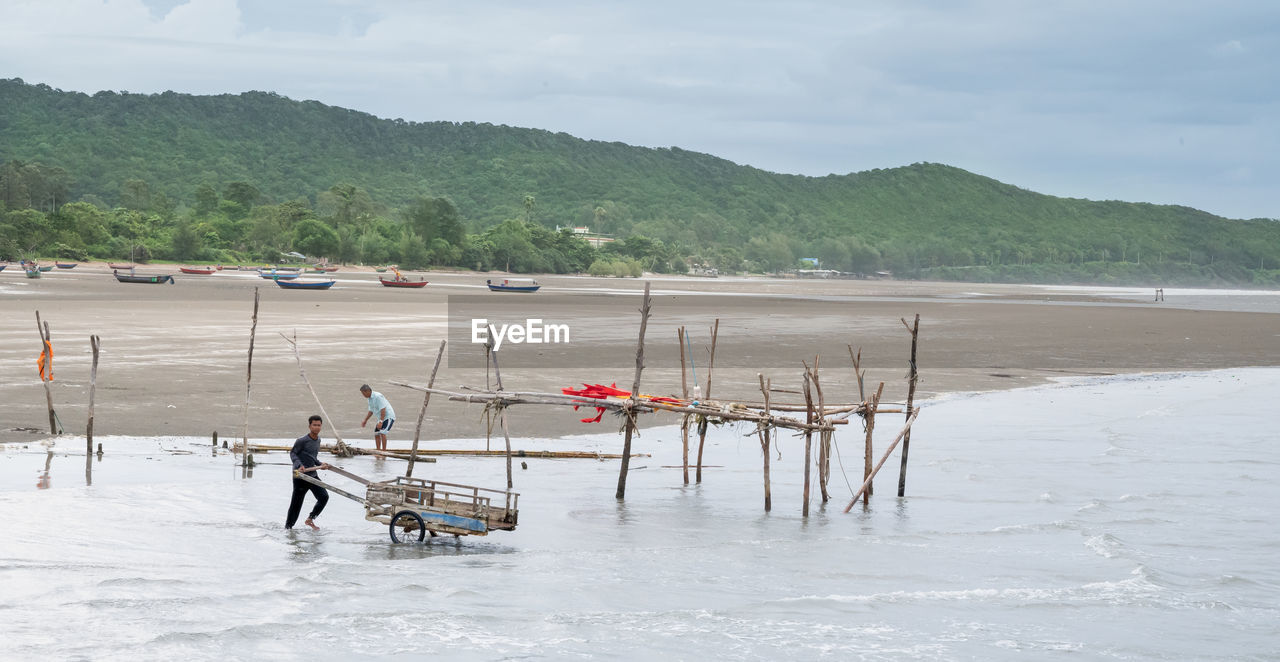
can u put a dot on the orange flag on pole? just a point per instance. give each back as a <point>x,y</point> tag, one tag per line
<point>46,362</point>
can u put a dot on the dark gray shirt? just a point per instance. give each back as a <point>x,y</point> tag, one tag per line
<point>305,452</point>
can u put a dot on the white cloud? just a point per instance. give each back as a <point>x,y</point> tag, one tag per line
<point>1065,98</point>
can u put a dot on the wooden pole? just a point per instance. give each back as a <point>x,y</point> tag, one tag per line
<point>808,440</point>
<point>867,455</point>
<point>702,421</point>
<point>911,394</point>
<point>46,347</point>
<point>906,428</point>
<point>88,429</point>
<point>506,434</point>
<point>858,371</point>
<point>635,391</point>
<point>426,398</point>
<point>684,420</point>
<point>824,438</point>
<point>343,450</point>
<point>762,430</point>
<point>248,376</point>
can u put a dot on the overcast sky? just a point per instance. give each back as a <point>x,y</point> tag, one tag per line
<point>1158,101</point>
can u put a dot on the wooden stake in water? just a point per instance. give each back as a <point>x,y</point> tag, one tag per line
<point>630,413</point>
<point>702,423</point>
<point>913,376</point>
<point>426,398</point>
<point>88,429</point>
<point>894,444</point>
<point>867,456</point>
<point>762,430</point>
<point>248,377</point>
<point>684,420</point>
<point>808,439</point>
<point>46,350</point>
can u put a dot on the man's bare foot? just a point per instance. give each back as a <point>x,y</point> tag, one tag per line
<point>311,524</point>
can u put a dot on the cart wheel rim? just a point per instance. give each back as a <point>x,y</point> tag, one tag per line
<point>407,526</point>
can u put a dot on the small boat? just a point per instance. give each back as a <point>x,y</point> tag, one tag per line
<point>513,285</point>
<point>131,278</point>
<point>119,266</point>
<point>314,271</point>
<point>60,265</point>
<point>46,269</point>
<point>306,284</point>
<point>201,271</point>
<point>2,266</point>
<point>329,269</point>
<point>275,275</point>
<point>381,270</point>
<point>33,273</point>
<point>402,282</point>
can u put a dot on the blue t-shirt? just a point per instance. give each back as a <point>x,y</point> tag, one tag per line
<point>377,402</point>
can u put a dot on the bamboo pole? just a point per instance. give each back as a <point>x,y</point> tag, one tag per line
<point>858,371</point>
<point>46,346</point>
<point>343,449</point>
<point>867,454</point>
<point>506,434</point>
<point>508,398</point>
<point>426,398</point>
<point>429,455</point>
<point>824,438</point>
<point>906,428</point>
<point>762,431</point>
<point>684,393</point>
<point>88,429</point>
<point>911,394</point>
<point>702,422</point>
<point>808,441</point>
<point>631,403</point>
<point>248,376</point>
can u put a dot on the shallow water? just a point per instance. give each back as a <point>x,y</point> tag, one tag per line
<point>1122,518</point>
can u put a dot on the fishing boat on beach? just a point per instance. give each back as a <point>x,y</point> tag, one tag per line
<point>278,276</point>
<point>33,273</point>
<point>62,265</point>
<point>121,267</point>
<point>400,280</point>
<point>200,271</point>
<point>46,269</point>
<point>513,285</point>
<point>305,284</point>
<point>134,278</point>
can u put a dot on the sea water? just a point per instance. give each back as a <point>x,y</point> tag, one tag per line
<point>1127,518</point>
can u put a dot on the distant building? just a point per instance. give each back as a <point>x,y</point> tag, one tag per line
<point>584,233</point>
<point>811,261</point>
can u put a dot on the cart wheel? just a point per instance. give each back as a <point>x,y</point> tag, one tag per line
<point>407,526</point>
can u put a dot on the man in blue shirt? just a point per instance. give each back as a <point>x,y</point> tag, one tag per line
<point>305,456</point>
<point>386,416</point>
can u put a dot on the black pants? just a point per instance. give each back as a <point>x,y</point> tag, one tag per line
<point>300,488</point>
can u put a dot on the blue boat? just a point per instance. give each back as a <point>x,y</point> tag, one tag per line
<point>62,265</point>
<point>514,285</point>
<point>305,284</point>
<point>277,276</point>
<point>2,266</point>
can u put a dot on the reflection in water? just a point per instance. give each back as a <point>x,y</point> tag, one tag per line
<point>44,481</point>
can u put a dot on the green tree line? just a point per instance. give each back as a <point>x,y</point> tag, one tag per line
<point>243,176</point>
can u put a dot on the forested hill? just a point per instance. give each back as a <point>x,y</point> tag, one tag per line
<point>926,219</point>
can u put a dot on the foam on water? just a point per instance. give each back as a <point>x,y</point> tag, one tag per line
<point>1126,518</point>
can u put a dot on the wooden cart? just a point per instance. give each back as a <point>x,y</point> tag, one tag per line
<point>411,507</point>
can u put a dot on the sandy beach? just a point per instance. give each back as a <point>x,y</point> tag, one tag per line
<point>174,357</point>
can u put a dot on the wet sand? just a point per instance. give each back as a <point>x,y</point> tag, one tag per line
<point>173,357</point>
